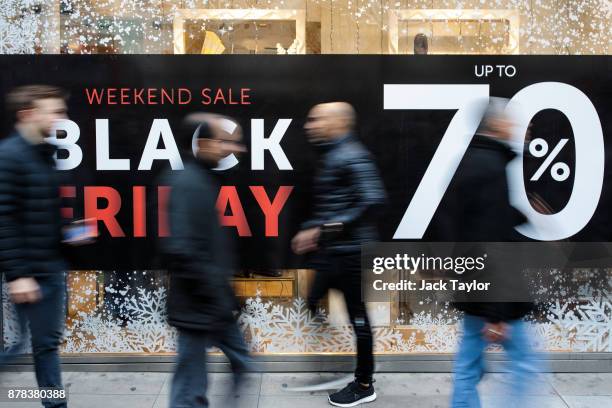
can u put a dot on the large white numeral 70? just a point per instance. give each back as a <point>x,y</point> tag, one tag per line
<point>470,100</point>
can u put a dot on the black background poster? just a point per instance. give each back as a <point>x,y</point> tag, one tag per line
<point>403,142</point>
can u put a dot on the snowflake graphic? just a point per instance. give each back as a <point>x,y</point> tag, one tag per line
<point>390,340</point>
<point>147,328</point>
<point>254,317</point>
<point>549,337</point>
<point>135,322</point>
<point>18,27</point>
<point>11,328</point>
<point>148,307</point>
<point>341,340</point>
<point>588,322</point>
<point>440,332</point>
<point>93,333</point>
<point>294,329</point>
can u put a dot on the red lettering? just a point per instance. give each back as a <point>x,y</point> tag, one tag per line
<point>140,211</point>
<point>67,192</point>
<point>166,96</point>
<point>184,96</point>
<point>219,95</point>
<point>124,92</point>
<point>106,215</point>
<point>94,94</point>
<point>273,209</point>
<point>229,196</point>
<point>138,96</point>
<point>231,102</point>
<point>206,96</point>
<point>111,95</point>
<point>163,227</point>
<point>151,96</point>
<point>244,96</point>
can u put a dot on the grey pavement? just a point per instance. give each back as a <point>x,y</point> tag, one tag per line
<point>271,390</point>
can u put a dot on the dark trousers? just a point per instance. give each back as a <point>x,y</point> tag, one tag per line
<point>189,382</point>
<point>343,272</point>
<point>46,322</point>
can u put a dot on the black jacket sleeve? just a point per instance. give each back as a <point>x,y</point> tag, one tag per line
<point>12,257</point>
<point>187,252</point>
<point>370,193</point>
<point>179,248</point>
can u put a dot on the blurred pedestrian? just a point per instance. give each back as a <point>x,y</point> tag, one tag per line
<point>31,228</point>
<point>200,258</point>
<point>348,191</point>
<point>478,208</point>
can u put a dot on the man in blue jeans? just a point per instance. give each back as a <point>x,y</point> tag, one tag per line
<point>45,320</point>
<point>477,209</point>
<point>31,228</point>
<point>470,362</point>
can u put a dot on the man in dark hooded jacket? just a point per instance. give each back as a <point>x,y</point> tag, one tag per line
<point>477,209</point>
<point>201,303</point>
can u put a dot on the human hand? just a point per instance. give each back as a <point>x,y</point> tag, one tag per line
<point>495,332</point>
<point>24,290</point>
<point>306,240</point>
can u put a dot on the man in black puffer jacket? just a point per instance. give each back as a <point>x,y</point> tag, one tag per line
<point>200,259</point>
<point>348,193</point>
<point>31,227</point>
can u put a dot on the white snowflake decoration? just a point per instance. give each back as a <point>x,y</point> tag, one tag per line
<point>587,323</point>
<point>440,332</point>
<point>549,337</point>
<point>18,27</point>
<point>11,329</point>
<point>135,322</point>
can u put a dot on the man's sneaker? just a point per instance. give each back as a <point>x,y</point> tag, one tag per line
<point>351,395</point>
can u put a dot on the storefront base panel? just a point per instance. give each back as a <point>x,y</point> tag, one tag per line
<point>430,363</point>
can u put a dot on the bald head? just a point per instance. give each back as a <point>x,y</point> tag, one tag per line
<point>328,121</point>
<point>342,111</point>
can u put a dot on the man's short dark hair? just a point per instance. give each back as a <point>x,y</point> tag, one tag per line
<point>23,97</point>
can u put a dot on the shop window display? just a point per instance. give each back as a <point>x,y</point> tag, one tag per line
<point>234,31</point>
<point>455,31</point>
<point>123,311</point>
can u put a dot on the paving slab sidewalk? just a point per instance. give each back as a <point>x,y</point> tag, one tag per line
<point>272,390</point>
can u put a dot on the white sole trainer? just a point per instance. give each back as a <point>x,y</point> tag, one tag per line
<point>352,404</point>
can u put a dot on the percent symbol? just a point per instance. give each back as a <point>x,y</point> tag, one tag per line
<point>559,171</point>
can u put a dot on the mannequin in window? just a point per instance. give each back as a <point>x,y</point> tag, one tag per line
<point>421,46</point>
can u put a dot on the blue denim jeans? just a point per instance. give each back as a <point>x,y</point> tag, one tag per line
<point>189,381</point>
<point>46,322</point>
<point>470,364</point>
